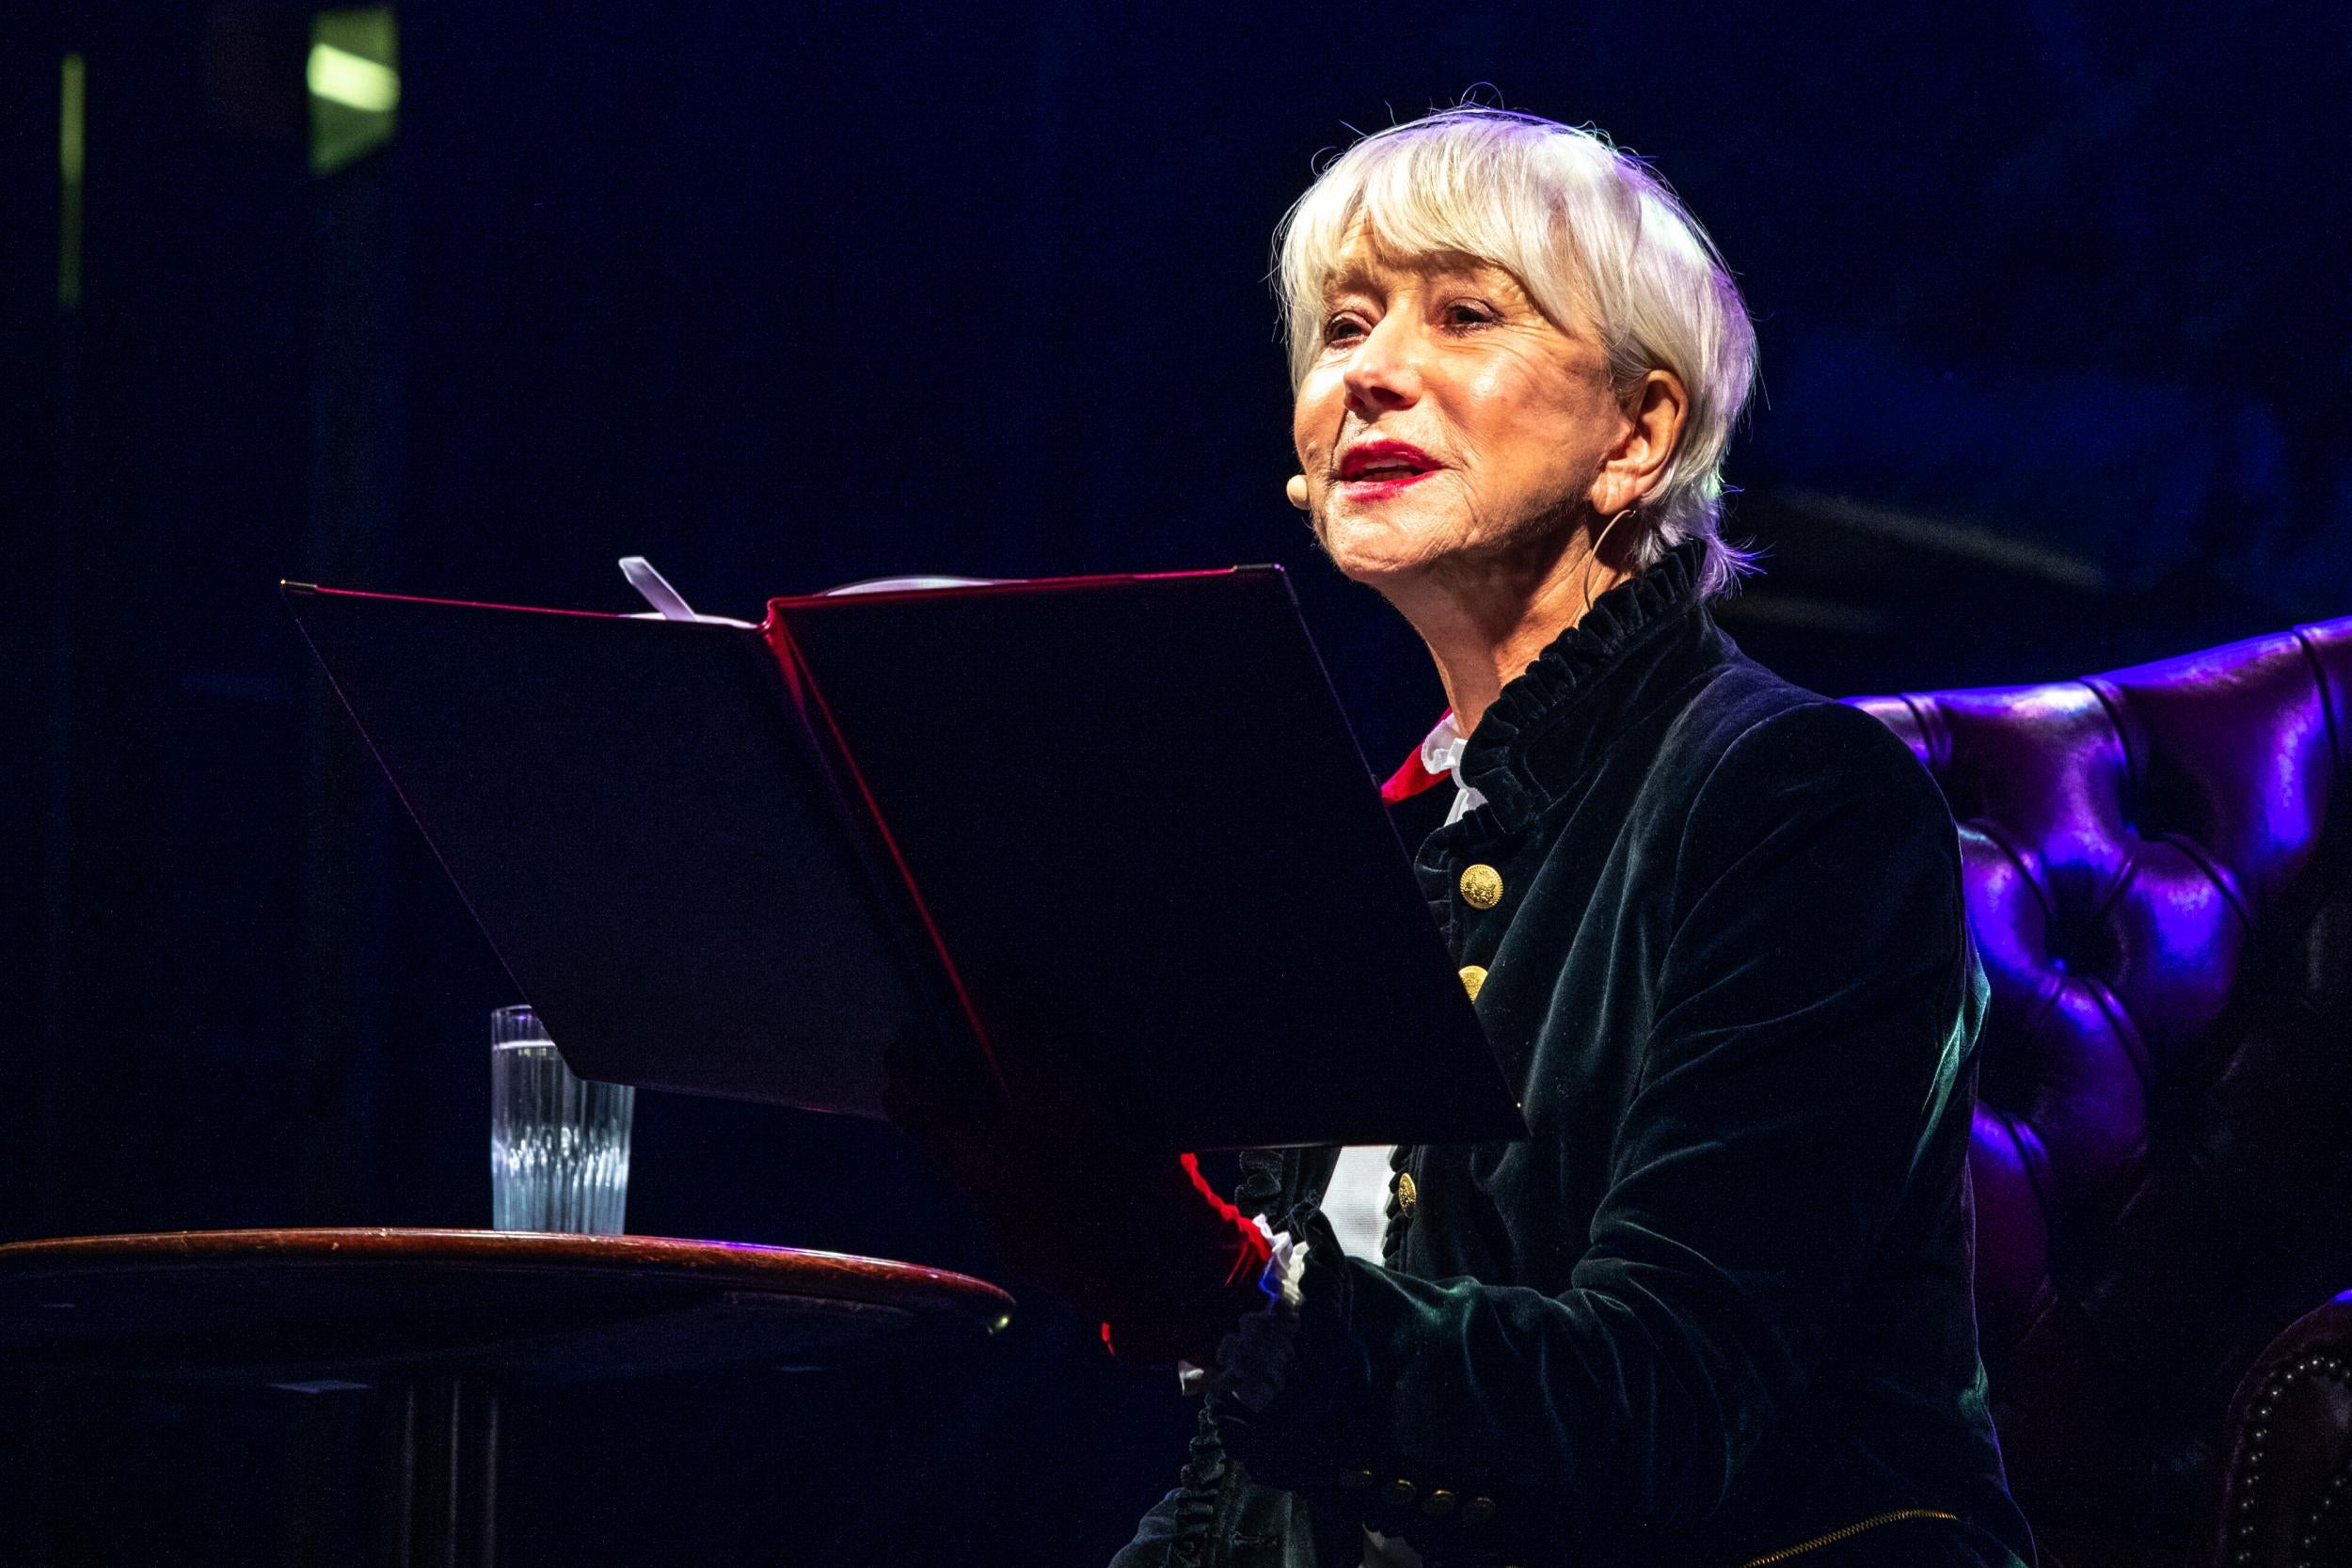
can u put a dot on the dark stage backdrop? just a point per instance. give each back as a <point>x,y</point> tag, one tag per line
<point>2051,299</point>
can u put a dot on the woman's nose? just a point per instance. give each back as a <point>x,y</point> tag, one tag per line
<point>1384,372</point>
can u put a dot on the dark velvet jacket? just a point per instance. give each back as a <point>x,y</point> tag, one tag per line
<point>1719,1306</point>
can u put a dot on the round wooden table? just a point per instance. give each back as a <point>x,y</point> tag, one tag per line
<point>440,1320</point>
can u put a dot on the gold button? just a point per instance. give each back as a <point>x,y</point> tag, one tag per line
<point>1400,1491</point>
<point>1478,1511</point>
<point>1473,977</point>
<point>1437,1502</point>
<point>1355,1481</point>
<point>1407,1196</point>
<point>1482,887</point>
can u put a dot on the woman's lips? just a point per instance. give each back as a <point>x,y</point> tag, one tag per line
<point>1371,469</point>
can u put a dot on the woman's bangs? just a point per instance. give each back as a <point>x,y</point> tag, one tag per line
<point>1425,199</point>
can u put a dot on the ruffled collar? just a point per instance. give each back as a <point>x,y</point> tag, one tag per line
<point>1508,758</point>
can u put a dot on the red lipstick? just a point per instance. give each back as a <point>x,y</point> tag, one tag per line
<point>1371,469</point>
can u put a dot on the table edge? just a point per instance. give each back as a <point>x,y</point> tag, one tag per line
<point>740,1265</point>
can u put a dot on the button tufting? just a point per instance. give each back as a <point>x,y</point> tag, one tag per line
<point>2126,841</point>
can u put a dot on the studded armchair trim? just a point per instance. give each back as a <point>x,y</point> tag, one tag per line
<point>2287,1486</point>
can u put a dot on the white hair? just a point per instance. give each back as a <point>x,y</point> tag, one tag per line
<point>1589,232</point>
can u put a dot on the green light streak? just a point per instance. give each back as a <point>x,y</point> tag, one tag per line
<point>70,134</point>
<point>353,71</point>
<point>353,80</point>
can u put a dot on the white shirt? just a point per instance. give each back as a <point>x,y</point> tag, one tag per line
<point>1441,755</point>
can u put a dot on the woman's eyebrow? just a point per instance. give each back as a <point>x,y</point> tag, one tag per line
<point>1376,278</point>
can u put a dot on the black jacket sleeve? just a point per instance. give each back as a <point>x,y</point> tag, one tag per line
<point>1811,1018</point>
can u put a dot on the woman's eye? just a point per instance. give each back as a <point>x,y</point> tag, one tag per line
<point>1469,313</point>
<point>1343,329</point>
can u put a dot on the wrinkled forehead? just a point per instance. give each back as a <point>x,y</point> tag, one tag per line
<point>1367,252</point>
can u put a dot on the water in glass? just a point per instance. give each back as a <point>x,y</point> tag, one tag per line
<point>559,1145</point>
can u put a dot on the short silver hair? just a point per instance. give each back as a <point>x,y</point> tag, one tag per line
<point>1588,230</point>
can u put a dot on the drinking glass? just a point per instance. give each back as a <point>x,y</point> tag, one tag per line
<point>559,1145</point>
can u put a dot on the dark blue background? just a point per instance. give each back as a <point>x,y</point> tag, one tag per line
<point>2053,308</point>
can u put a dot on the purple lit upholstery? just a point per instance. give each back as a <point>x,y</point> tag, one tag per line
<point>2159,880</point>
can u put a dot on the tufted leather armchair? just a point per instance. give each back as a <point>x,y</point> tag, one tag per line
<point>2159,880</point>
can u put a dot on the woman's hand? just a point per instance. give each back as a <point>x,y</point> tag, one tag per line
<point>1137,1239</point>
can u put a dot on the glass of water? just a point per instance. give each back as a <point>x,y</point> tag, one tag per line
<point>559,1145</point>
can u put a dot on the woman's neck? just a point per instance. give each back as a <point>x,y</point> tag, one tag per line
<point>1485,620</point>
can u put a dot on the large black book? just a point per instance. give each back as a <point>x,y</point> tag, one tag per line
<point>1111,833</point>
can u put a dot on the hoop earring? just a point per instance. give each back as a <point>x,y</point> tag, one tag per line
<point>1600,539</point>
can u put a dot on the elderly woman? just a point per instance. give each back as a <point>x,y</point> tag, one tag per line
<point>1717,1310</point>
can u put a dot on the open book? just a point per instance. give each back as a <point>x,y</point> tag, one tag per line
<point>1112,832</point>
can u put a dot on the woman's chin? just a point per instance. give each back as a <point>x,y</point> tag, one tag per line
<point>1371,549</point>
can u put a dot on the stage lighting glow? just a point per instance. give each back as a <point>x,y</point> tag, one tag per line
<point>70,99</point>
<point>353,74</point>
<point>353,80</point>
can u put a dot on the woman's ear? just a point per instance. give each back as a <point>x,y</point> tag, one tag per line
<point>1296,491</point>
<point>1654,416</point>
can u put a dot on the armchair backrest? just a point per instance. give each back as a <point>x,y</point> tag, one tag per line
<point>2159,882</point>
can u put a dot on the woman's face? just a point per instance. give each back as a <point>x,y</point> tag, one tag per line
<point>1445,418</point>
